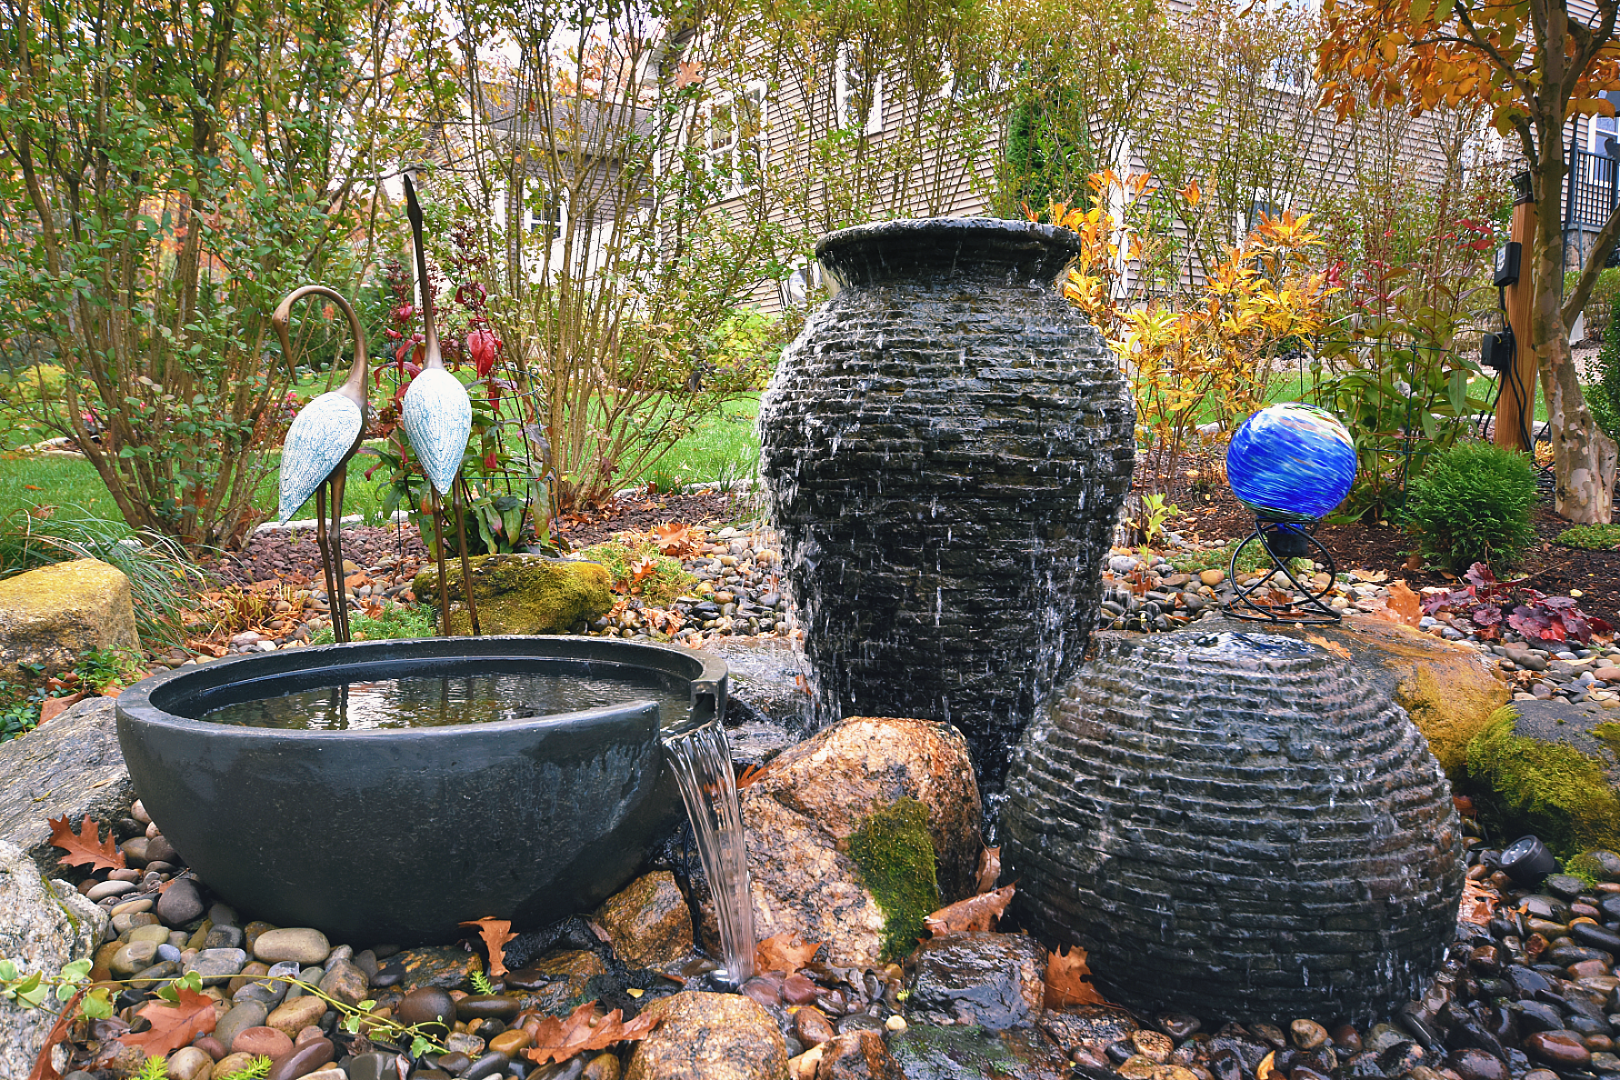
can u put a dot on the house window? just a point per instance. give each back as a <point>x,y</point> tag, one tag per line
<point>1263,202</point>
<point>545,215</point>
<point>1602,137</point>
<point>857,92</point>
<point>732,130</point>
<point>801,285</point>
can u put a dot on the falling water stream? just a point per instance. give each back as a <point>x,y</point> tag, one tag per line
<point>702,763</point>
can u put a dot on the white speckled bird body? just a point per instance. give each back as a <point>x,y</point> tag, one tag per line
<point>437,416</point>
<point>320,438</point>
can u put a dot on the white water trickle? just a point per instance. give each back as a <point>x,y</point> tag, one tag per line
<point>702,763</point>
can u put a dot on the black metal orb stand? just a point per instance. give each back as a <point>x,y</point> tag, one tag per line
<point>1283,542</point>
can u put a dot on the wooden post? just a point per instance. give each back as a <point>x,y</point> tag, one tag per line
<point>1516,410</point>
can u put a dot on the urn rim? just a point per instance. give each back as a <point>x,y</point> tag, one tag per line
<point>1029,251</point>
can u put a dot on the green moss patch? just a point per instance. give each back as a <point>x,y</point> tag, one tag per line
<point>1548,788</point>
<point>1591,537</point>
<point>896,859</point>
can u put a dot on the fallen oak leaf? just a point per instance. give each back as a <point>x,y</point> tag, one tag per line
<point>82,850</point>
<point>52,707</point>
<point>989,870</point>
<point>750,774</point>
<point>975,913</point>
<point>496,933</point>
<point>1478,904</point>
<point>1331,646</point>
<point>785,952</point>
<point>559,1040</point>
<point>173,1026</point>
<point>1068,980</point>
<point>44,1068</point>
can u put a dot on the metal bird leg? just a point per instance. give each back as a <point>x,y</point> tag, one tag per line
<point>337,481</point>
<point>322,542</point>
<point>466,567</point>
<point>444,576</point>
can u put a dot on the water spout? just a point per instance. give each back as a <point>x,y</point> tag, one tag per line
<point>702,762</point>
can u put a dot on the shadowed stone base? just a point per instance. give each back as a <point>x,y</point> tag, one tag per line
<point>1237,825</point>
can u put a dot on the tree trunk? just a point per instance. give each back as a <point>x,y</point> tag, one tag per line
<point>1584,458</point>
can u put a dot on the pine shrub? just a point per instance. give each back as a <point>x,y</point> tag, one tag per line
<point>1472,504</point>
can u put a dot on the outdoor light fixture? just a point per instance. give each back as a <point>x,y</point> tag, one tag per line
<point>1527,861</point>
<point>1291,464</point>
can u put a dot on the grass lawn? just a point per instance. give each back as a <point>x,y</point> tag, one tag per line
<point>722,447</point>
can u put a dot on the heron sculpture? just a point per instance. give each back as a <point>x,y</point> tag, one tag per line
<point>437,417</point>
<point>315,455</point>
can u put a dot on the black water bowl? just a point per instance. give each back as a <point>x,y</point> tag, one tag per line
<point>400,834</point>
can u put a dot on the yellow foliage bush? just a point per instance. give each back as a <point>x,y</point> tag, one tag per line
<point>1204,356</point>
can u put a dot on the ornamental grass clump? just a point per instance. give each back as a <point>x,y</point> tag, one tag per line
<point>1473,505</point>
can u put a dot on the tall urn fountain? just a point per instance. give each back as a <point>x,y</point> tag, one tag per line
<point>946,447</point>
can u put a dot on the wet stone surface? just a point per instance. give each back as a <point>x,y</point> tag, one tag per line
<point>1287,844</point>
<point>960,432</point>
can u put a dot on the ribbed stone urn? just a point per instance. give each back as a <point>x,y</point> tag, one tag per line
<point>1234,824</point>
<point>946,447</point>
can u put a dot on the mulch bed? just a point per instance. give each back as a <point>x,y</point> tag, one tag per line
<point>1216,516</point>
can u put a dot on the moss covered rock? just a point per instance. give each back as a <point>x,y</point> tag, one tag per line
<point>1449,690</point>
<point>51,615</point>
<point>1544,768</point>
<point>520,594</point>
<point>896,856</point>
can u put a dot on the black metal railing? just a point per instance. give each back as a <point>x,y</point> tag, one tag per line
<point>1593,186</point>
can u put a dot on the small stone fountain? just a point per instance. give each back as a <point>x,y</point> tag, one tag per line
<point>946,448</point>
<point>1233,824</point>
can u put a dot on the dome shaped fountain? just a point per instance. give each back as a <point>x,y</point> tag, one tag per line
<point>1232,824</point>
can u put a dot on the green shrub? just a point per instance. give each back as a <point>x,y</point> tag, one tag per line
<point>396,621</point>
<point>1600,304</point>
<point>1603,397</point>
<point>1591,537</point>
<point>1473,504</point>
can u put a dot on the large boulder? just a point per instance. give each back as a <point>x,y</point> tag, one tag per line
<point>69,765</point>
<point>520,594</point>
<point>1448,689</point>
<point>1550,768</point>
<point>51,615</point>
<point>44,925</point>
<point>858,833</point>
<point>710,1037</point>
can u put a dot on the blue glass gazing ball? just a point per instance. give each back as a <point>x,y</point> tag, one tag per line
<point>1291,462</point>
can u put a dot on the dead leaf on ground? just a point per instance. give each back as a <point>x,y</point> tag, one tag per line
<point>1478,904</point>
<point>784,952</point>
<point>673,540</point>
<point>559,1040</point>
<point>52,707</point>
<point>1068,980</point>
<point>496,933</point>
<point>1370,575</point>
<point>1331,646</point>
<point>750,774</point>
<point>44,1068</point>
<point>989,870</point>
<point>1405,603</point>
<point>173,1025</point>
<point>85,847</point>
<point>975,913</point>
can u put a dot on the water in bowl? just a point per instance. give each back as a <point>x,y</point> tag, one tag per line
<point>463,698</point>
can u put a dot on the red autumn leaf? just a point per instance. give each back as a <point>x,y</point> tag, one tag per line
<point>83,850</point>
<point>673,540</point>
<point>1068,980</point>
<point>44,1069</point>
<point>784,952</point>
<point>173,1025</point>
<point>975,913</point>
<point>1478,904</point>
<point>559,1040</point>
<point>496,933</point>
<point>750,774</point>
<point>481,345</point>
<point>52,707</point>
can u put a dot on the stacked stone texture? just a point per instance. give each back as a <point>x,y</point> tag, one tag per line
<point>946,447</point>
<point>1235,825</point>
